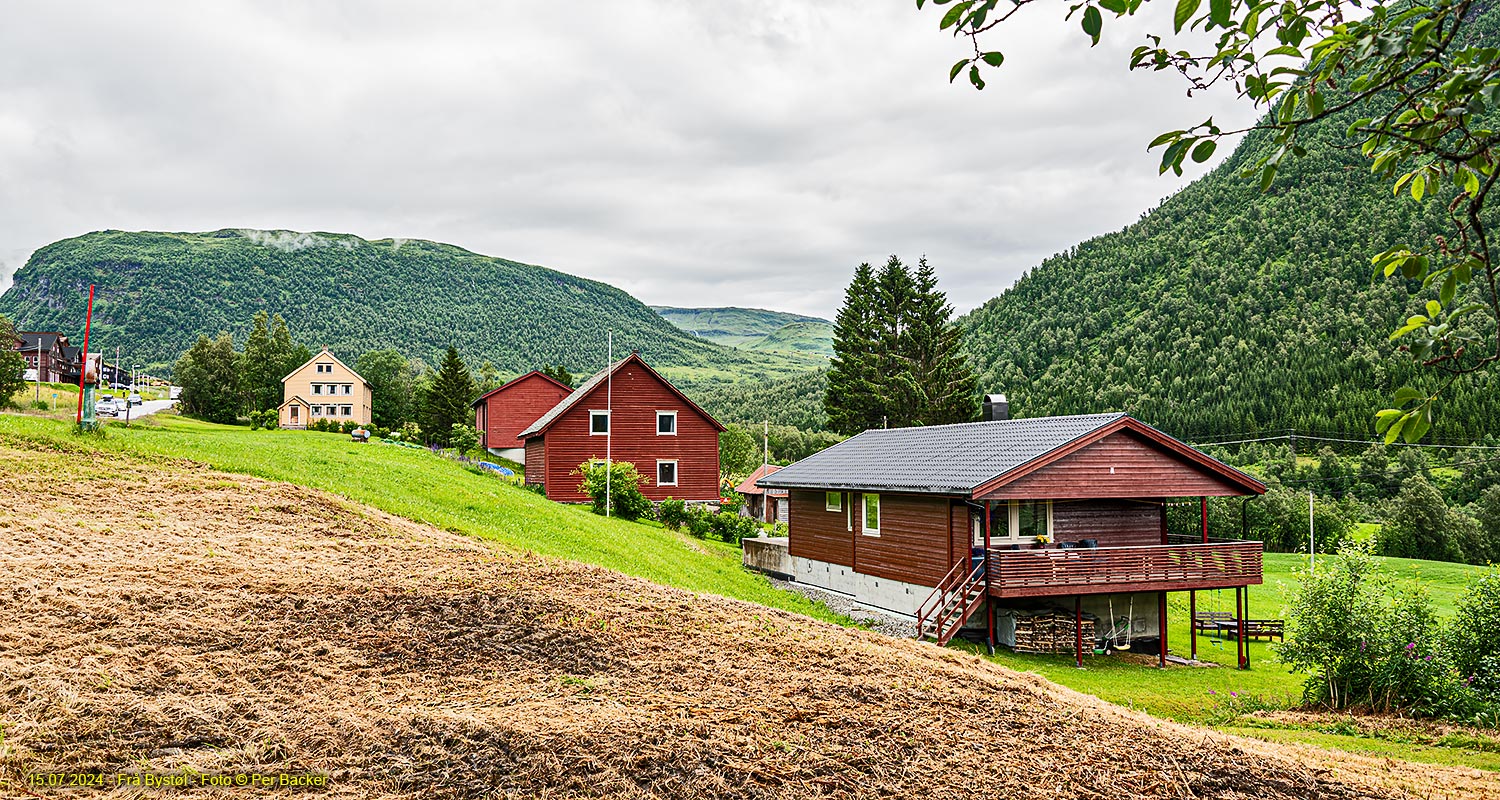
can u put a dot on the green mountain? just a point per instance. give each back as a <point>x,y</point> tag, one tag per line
<point>754,329</point>
<point>1228,310</point>
<point>156,292</point>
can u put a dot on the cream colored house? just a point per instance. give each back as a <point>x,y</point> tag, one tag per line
<point>324,388</point>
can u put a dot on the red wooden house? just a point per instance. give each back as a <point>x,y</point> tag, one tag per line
<point>766,505</point>
<point>632,413</point>
<point>502,413</point>
<point>990,523</point>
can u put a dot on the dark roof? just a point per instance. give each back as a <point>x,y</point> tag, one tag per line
<point>43,340</point>
<point>936,459</point>
<point>545,421</point>
<point>975,458</point>
<point>513,381</point>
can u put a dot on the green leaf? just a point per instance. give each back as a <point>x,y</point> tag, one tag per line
<point>1393,432</point>
<point>1092,23</point>
<point>1204,150</point>
<point>957,68</point>
<point>954,15</point>
<point>993,58</point>
<point>1163,139</point>
<point>1405,395</point>
<point>1418,187</point>
<point>1417,424</point>
<point>1449,288</point>
<point>1219,12</point>
<point>974,77</point>
<point>1184,13</point>
<point>1116,7</point>
<point>1434,308</point>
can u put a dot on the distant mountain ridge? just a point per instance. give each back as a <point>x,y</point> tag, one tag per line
<point>754,328</point>
<point>157,292</point>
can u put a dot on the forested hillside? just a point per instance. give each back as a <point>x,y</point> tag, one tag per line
<point>754,328</point>
<point>158,291</point>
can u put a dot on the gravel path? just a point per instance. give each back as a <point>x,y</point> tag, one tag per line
<point>879,621</point>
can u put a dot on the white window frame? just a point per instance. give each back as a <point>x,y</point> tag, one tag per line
<point>659,416</point>
<point>864,514</point>
<point>348,388</point>
<point>838,501</point>
<point>676,476</point>
<point>1013,529</point>
<point>317,411</point>
<point>599,412</point>
<point>346,411</point>
<point>317,388</point>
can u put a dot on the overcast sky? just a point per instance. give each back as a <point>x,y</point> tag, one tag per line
<point>693,153</point>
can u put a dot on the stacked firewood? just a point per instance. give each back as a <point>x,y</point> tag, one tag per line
<point>1050,632</point>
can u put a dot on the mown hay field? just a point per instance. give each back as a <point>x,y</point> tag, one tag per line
<point>161,619</point>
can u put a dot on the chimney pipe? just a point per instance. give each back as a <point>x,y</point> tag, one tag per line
<point>996,408</point>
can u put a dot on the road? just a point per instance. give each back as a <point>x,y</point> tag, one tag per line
<point>146,409</point>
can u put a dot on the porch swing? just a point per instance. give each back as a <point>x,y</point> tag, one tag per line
<point>1118,635</point>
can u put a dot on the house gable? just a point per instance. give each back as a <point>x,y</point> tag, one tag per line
<point>502,413</point>
<point>1122,463</point>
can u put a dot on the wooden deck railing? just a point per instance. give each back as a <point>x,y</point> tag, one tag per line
<point>1151,568</point>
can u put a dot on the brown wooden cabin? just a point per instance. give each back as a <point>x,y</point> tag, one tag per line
<point>766,505</point>
<point>631,412</point>
<point>503,412</point>
<point>965,524</point>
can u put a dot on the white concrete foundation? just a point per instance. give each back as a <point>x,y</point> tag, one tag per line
<point>884,594</point>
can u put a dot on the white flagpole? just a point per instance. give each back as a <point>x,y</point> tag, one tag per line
<point>609,414</point>
<point>1312,533</point>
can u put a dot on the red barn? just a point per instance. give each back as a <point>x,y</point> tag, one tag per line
<point>502,413</point>
<point>644,419</point>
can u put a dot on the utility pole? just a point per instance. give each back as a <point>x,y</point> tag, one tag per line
<point>609,414</point>
<point>1312,539</point>
<point>766,442</point>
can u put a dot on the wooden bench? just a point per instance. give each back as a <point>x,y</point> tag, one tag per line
<point>1265,628</point>
<point>1207,621</point>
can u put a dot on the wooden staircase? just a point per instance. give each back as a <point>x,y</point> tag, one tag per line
<point>956,597</point>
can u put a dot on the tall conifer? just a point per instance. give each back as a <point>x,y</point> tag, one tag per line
<point>852,400</point>
<point>447,400</point>
<point>945,385</point>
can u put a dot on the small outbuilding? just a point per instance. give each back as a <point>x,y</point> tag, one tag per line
<point>503,412</point>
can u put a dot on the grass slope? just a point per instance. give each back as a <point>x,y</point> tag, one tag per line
<point>419,486</point>
<point>157,292</point>
<point>754,329</point>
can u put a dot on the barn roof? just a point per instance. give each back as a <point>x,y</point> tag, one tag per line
<point>518,379</point>
<point>545,421</point>
<point>959,459</point>
<point>747,486</point>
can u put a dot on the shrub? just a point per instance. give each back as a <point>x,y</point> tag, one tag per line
<point>411,432</point>
<point>780,529</point>
<point>731,527</point>
<point>377,432</point>
<point>673,513</point>
<point>700,522</point>
<point>731,502</point>
<point>1470,639</point>
<point>623,492</point>
<point>464,437</point>
<point>1364,642</point>
<point>268,419</point>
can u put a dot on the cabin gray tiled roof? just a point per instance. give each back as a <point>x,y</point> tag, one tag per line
<point>937,459</point>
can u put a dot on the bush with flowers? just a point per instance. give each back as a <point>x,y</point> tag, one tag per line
<point>1367,642</point>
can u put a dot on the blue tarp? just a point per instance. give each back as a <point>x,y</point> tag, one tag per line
<point>496,468</point>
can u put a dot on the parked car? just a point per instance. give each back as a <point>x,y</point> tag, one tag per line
<point>174,393</point>
<point>134,399</point>
<point>108,407</point>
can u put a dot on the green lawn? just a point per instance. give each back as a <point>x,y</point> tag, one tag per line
<point>418,485</point>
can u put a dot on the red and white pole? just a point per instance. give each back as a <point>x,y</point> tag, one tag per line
<point>83,368</point>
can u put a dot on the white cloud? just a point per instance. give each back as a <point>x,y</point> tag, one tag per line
<point>747,153</point>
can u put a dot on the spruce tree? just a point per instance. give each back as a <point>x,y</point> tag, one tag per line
<point>896,297</point>
<point>446,402</point>
<point>945,387</point>
<point>851,400</point>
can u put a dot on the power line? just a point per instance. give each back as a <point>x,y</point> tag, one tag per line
<point>1311,438</point>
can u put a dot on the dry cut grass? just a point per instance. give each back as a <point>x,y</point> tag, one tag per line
<point>160,619</point>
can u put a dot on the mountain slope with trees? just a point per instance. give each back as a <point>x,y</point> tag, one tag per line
<point>1229,310</point>
<point>754,328</point>
<point>158,292</point>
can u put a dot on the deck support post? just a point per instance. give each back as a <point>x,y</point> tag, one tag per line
<point>1161,618</point>
<point>1193,622</point>
<point>1078,629</point>
<point>1246,645</point>
<point>989,597</point>
<point>1239,631</point>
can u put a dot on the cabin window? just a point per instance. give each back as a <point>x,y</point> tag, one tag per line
<point>348,388</point>
<point>598,423</point>
<point>317,388</point>
<point>833,501</point>
<point>347,411</point>
<point>870,523</point>
<point>1030,518</point>
<point>666,423</point>
<point>666,473</point>
<point>317,411</point>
